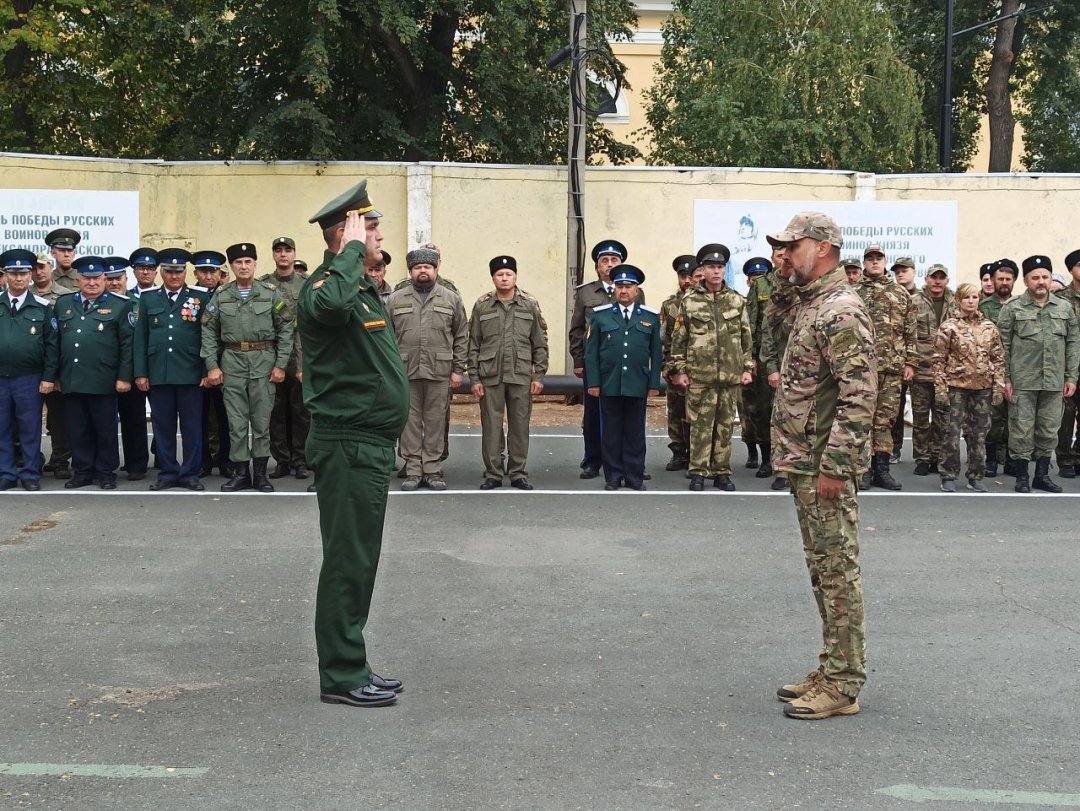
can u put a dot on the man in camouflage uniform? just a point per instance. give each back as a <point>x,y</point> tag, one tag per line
<point>997,441</point>
<point>829,378</point>
<point>508,357</point>
<point>289,419</point>
<point>678,425</point>
<point>903,271</point>
<point>892,313</point>
<point>929,416</point>
<point>1068,447</point>
<point>755,406</point>
<point>853,270</point>
<point>249,324</point>
<point>710,359</point>
<point>1041,338</point>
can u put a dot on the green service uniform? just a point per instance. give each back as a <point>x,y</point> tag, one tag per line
<point>1068,447</point>
<point>357,392</point>
<point>253,336</point>
<point>508,350</point>
<point>997,440</point>
<point>1042,354</point>
<point>289,420</point>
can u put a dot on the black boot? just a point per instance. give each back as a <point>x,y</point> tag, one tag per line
<point>240,478</point>
<point>867,479</point>
<point>1042,479</point>
<point>882,476</point>
<point>990,469</point>
<point>259,479</point>
<point>1066,471</point>
<point>752,457</point>
<point>1020,471</point>
<point>765,471</point>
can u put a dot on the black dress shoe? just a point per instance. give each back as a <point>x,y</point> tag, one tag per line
<point>521,484</point>
<point>162,484</point>
<point>367,696</point>
<point>610,486</point>
<point>30,485</point>
<point>389,685</point>
<point>136,475</point>
<point>780,483</point>
<point>697,483</point>
<point>491,484</point>
<point>192,484</point>
<point>302,472</point>
<point>589,472</point>
<point>639,486</point>
<point>61,472</point>
<point>724,483</point>
<point>78,481</point>
<point>108,484</point>
<point>647,476</point>
<point>7,484</point>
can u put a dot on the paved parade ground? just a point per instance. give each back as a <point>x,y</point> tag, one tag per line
<point>561,649</point>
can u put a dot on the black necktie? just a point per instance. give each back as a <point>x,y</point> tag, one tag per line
<point>626,316</point>
<point>172,297</point>
<point>14,308</point>
<point>86,306</point>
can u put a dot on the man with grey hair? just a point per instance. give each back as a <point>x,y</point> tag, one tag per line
<point>433,335</point>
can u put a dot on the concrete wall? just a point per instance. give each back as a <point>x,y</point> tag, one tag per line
<point>476,212</point>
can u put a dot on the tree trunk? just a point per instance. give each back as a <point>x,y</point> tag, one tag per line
<point>998,100</point>
<point>15,66</point>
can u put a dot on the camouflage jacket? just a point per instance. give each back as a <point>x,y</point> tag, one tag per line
<point>710,340</point>
<point>757,299</point>
<point>1042,344</point>
<point>777,326</point>
<point>669,312</point>
<point>926,327</point>
<point>892,312</point>
<point>991,307</point>
<point>1069,294</point>
<point>824,407</point>
<point>968,355</point>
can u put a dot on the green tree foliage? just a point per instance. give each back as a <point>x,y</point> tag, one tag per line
<point>1050,92</point>
<point>802,83</point>
<point>296,79</point>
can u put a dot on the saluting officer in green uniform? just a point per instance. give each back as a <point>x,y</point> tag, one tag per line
<point>508,357</point>
<point>250,323</point>
<point>168,340</point>
<point>357,391</point>
<point>289,421</point>
<point>95,365</point>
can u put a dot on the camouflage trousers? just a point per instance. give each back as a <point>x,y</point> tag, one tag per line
<point>1068,447</point>
<point>999,430</point>
<point>929,422</point>
<point>830,535</point>
<point>678,426</point>
<point>711,411</point>
<point>1034,420</point>
<point>969,414</point>
<point>755,410</point>
<point>885,411</point>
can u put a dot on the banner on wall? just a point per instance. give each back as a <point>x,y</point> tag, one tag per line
<point>108,221</point>
<point>924,231</point>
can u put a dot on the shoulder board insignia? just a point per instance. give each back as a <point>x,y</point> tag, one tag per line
<point>648,309</point>
<point>197,287</point>
<point>125,298</point>
<point>270,285</point>
<point>601,307</point>
<point>44,302</point>
<point>379,323</point>
<point>584,284</point>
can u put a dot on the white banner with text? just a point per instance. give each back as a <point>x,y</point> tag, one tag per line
<point>107,221</point>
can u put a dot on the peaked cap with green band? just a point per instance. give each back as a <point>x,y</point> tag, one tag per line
<point>355,199</point>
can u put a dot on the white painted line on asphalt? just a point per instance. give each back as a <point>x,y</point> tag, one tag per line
<point>100,770</point>
<point>510,491</point>
<point>924,794</point>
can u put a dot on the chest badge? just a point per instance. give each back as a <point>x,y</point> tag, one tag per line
<point>100,327</point>
<point>33,330</point>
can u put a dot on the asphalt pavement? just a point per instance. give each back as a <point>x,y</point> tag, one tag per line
<point>566,648</point>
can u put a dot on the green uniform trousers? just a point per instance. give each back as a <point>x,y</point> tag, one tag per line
<point>352,476</point>
<point>711,411</point>
<point>755,410</point>
<point>678,426</point>
<point>1034,420</point>
<point>289,423</point>
<point>1068,447</point>
<point>885,411</point>
<point>969,413</point>
<point>514,400</point>
<point>248,402</point>
<point>830,535</point>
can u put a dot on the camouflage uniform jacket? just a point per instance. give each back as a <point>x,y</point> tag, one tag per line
<point>926,327</point>
<point>1042,344</point>
<point>710,340</point>
<point>824,406</point>
<point>586,296</point>
<point>54,292</point>
<point>757,300</point>
<point>669,311</point>
<point>892,312</point>
<point>968,355</point>
<point>1069,294</point>
<point>778,320</point>
<point>991,307</point>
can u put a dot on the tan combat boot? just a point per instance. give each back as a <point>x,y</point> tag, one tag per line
<point>792,691</point>
<point>822,701</point>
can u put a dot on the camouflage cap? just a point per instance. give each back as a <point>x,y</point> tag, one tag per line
<point>903,262</point>
<point>934,270</point>
<point>809,224</point>
<point>852,262</point>
<point>872,249</point>
<point>44,259</point>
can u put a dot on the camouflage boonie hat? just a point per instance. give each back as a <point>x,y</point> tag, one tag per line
<point>933,270</point>
<point>810,224</point>
<point>903,262</point>
<point>851,262</point>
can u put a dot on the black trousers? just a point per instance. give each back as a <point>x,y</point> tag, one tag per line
<point>590,429</point>
<point>91,422</point>
<point>131,406</point>
<point>215,430</point>
<point>623,439</point>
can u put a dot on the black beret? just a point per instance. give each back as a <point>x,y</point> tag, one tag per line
<point>502,263</point>
<point>609,247</point>
<point>713,252</point>
<point>240,250</point>
<point>1037,262</point>
<point>684,265</point>
<point>1072,260</point>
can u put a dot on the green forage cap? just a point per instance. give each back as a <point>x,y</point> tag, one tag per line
<point>355,199</point>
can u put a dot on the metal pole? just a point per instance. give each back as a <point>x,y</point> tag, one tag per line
<point>946,93</point>
<point>575,164</point>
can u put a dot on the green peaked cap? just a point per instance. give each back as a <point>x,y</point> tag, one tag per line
<point>355,199</point>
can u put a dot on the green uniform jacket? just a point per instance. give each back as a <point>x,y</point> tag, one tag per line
<point>290,287</point>
<point>1042,344</point>
<point>711,339</point>
<point>587,296</point>
<point>30,343</point>
<point>168,337</point>
<point>624,360</point>
<point>355,379</point>
<point>264,316</point>
<point>432,333</point>
<point>95,346</point>
<point>669,312</point>
<point>757,299</point>
<point>507,341</point>
<point>926,327</point>
<point>54,292</point>
<point>991,307</point>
